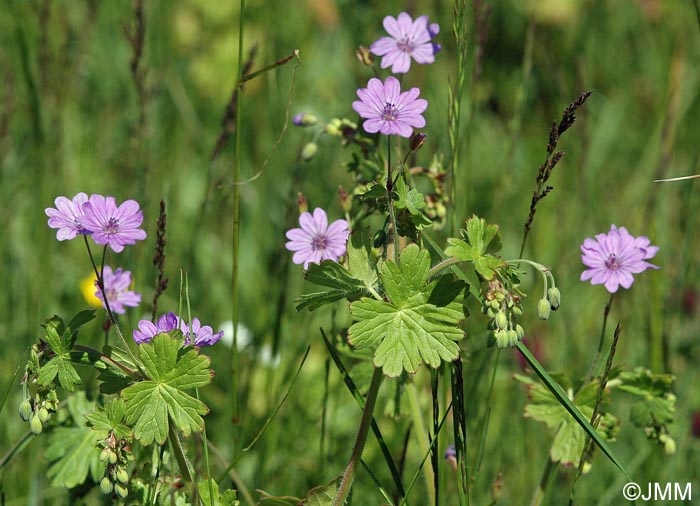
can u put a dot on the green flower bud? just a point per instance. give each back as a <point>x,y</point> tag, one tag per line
<point>495,303</point>
<point>517,311</point>
<point>520,331</point>
<point>512,337</point>
<point>333,127</point>
<point>35,425</point>
<point>554,296</point>
<point>502,338</point>
<point>25,410</point>
<point>122,476</point>
<point>43,414</point>
<point>305,120</point>
<point>543,309</point>
<point>112,457</point>
<point>501,320</point>
<point>491,313</point>
<point>106,486</point>
<point>309,151</point>
<point>302,204</point>
<point>104,455</point>
<point>121,490</point>
<point>669,445</point>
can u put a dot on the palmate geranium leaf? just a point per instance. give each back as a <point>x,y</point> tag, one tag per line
<point>479,241</point>
<point>411,200</point>
<point>569,437</point>
<point>153,404</point>
<point>60,364</point>
<point>409,328</point>
<point>110,418</point>
<point>330,274</point>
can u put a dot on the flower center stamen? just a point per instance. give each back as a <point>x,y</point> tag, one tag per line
<point>112,226</point>
<point>612,263</point>
<point>320,242</point>
<point>389,112</point>
<point>405,45</point>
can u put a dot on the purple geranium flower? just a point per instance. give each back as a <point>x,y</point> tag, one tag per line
<point>407,39</point>
<point>316,240</point>
<point>166,323</point>
<point>116,284</point>
<point>66,216</point>
<point>612,258</point>
<point>203,334</point>
<point>389,111</point>
<point>112,225</point>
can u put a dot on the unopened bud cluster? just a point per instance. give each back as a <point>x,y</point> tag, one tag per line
<point>549,303</point>
<point>503,307</point>
<point>115,456</point>
<point>37,410</point>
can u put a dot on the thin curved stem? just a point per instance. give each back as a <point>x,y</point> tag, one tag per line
<point>101,286</point>
<point>596,357</point>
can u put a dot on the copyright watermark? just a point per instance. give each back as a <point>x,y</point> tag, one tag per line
<point>670,491</point>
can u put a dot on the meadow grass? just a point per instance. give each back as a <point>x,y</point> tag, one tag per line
<point>76,114</point>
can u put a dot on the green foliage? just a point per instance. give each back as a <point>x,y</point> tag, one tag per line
<point>155,403</point>
<point>478,242</point>
<point>569,438</point>
<point>413,201</point>
<point>228,498</point>
<point>60,338</point>
<point>72,450</point>
<point>408,328</point>
<point>656,406</point>
<point>110,418</point>
<point>332,275</point>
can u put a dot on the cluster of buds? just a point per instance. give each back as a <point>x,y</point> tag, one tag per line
<point>503,307</point>
<point>115,455</point>
<point>550,302</point>
<point>38,412</point>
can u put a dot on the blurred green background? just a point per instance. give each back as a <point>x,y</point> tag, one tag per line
<point>72,119</point>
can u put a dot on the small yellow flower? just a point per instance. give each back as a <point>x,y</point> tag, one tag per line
<point>88,288</point>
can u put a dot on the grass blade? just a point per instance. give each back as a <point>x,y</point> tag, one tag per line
<point>564,400</point>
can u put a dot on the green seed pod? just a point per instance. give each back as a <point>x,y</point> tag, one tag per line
<point>25,410</point>
<point>491,313</point>
<point>502,338</point>
<point>43,414</point>
<point>309,151</point>
<point>512,337</point>
<point>495,303</point>
<point>106,486</point>
<point>543,309</point>
<point>554,296</point>
<point>121,490</point>
<point>122,476</point>
<point>104,455</point>
<point>517,311</point>
<point>520,331</point>
<point>112,457</point>
<point>501,320</point>
<point>35,425</point>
